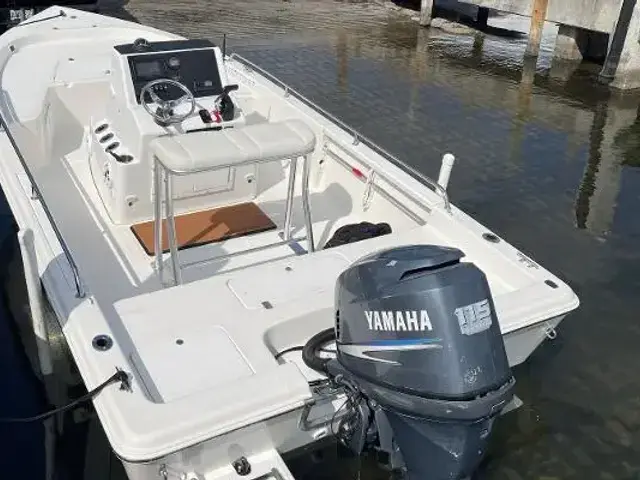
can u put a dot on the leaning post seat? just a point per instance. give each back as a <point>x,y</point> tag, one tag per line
<point>207,151</point>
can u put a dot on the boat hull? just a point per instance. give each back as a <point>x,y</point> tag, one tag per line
<point>214,457</point>
<point>521,343</point>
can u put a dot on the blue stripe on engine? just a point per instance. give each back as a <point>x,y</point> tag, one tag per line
<point>416,341</point>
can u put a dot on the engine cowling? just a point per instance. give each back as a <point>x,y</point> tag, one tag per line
<point>417,319</point>
<point>417,335</point>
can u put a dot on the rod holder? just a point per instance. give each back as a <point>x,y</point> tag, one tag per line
<point>445,170</point>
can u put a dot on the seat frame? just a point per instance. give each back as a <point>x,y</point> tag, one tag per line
<point>164,174</point>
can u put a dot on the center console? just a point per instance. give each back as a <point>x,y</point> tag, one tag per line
<point>196,64</point>
<point>121,165</point>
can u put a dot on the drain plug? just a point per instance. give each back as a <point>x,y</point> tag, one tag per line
<point>102,343</point>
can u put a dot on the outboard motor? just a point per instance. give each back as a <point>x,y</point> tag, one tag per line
<point>421,358</point>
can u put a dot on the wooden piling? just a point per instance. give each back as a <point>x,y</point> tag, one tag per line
<point>538,16</point>
<point>426,11</point>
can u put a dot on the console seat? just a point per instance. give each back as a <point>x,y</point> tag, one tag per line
<point>233,147</point>
<point>262,142</point>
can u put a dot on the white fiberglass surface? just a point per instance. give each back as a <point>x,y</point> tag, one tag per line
<point>187,364</point>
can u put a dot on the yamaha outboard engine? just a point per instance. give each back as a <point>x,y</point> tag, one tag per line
<point>421,358</point>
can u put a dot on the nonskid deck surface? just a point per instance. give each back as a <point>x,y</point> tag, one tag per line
<point>207,226</point>
<point>130,267</point>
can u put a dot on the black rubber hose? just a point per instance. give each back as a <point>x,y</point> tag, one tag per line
<point>119,376</point>
<point>312,347</point>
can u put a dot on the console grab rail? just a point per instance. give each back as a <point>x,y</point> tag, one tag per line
<point>80,293</point>
<point>357,136</point>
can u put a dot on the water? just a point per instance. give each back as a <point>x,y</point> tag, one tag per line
<point>21,394</point>
<point>545,157</point>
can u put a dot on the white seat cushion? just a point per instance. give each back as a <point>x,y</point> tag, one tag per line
<point>206,150</point>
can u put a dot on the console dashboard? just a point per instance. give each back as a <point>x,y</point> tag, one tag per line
<point>120,159</point>
<point>193,63</point>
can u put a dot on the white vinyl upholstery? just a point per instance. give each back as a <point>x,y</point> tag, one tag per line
<point>208,150</point>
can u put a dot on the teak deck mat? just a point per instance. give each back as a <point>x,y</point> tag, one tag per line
<point>208,226</point>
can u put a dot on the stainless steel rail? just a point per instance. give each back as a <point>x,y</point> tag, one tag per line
<point>357,136</point>
<point>80,293</point>
<point>380,191</point>
<point>161,170</point>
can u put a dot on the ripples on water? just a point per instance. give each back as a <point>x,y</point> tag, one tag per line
<point>545,157</point>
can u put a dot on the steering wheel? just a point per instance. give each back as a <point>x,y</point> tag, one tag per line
<point>164,114</point>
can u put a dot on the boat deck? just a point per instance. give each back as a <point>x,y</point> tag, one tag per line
<point>116,265</point>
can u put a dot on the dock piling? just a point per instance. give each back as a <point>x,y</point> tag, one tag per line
<point>426,12</point>
<point>538,16</point>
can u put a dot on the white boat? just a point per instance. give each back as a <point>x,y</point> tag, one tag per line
<point>256,191</point>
